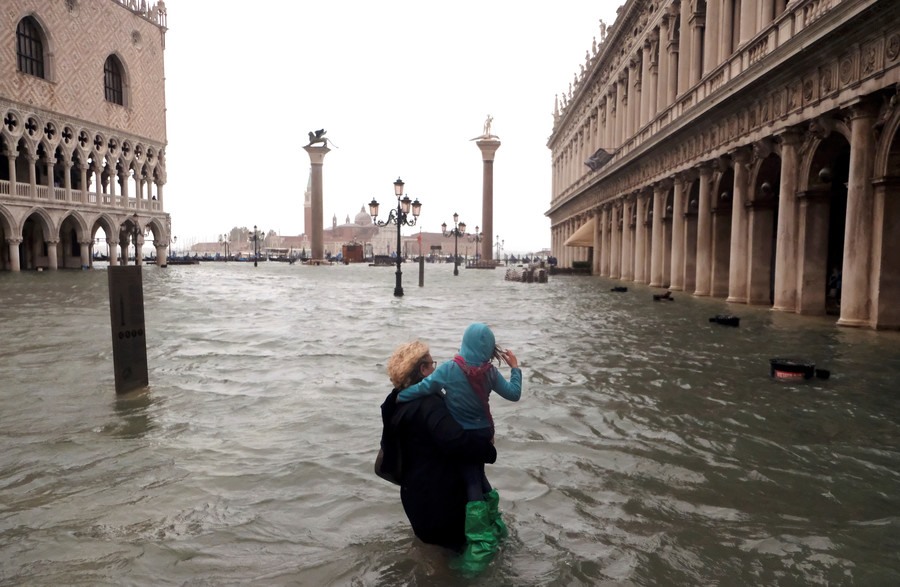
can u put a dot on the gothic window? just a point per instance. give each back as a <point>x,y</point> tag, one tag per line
<point>112,80</point>
<point>30,47</point>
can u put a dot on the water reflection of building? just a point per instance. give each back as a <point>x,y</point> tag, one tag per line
<point>739,149</point>
<point>83,135</point>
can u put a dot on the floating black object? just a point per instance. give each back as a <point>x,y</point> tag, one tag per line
<point>666,296</point>
<point>619,288</point>
<point>726,320</point>
<point>793,369</point>
<point>823,373</point>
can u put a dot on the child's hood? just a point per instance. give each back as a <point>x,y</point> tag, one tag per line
<point>477,344</point>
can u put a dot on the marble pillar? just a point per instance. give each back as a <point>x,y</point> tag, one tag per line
<point>488,147</point>
<point>317,243</point>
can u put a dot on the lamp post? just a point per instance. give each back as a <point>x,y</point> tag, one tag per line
<point>223,240</point>
<point>476,238</point>
<point>255,238</point>
<point>458,230</point>
<point>398,217</point>
<point>500,244</point>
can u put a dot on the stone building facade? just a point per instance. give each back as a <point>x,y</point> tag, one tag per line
<point>83,135</point>
<point>742,149</point>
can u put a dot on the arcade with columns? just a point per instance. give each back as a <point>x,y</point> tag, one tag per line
<point>732,148</point>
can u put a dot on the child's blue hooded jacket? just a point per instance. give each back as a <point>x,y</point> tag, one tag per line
<point>477,348</point>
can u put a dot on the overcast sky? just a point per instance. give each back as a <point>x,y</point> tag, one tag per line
<point>401,87</point>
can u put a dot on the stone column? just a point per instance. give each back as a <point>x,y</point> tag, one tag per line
<point>32,174</point>
<point>615,244</point>
<point>112,246</point>
<point>748,20</point>
<point>737,264</point>
<point>646,89</point>
<point>85,247</point>
<point>651,83</point>
<point>684,49</point>
<point>627,271</point>
<point>856,274</point>
<point>711,41</point>
<point>786,232</point>
<point>138,249</point>
<point>598,244</point>
<point>697,24</point>
<point>690,245</point>
<point>317,159</point>
<point>621,102</point>
<point>640,239</point>
<point>67,178</point>
<point>632,102</point>
<point>662,66</point>
<point>159,192</point>
<point>82,171</point>
<point>759,245</point>
<point>657,265</point>
<point>726,31</point>
<point>604,241</point>
<point>52,255</point>
<point>704,233</point>
<point>13,244</point>
<point>812,236</point>
<point>488,147</point>
<point>161,254</point>
<point>678,226</point>
<point>886,254</point>
<point>11,166</point>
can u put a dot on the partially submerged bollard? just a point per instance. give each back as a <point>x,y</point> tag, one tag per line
<point>619,288</point>
<point>126,314</point>
<point>795,369</point>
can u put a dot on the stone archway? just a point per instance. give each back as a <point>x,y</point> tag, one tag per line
<point>822,215</point>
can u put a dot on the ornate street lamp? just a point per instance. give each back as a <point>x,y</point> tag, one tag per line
<point>476,238</point>
<point>500,244</point>
<point>223,240</point>
<point>457,231</point>
<point>255,239</point>
<point>398,217</point>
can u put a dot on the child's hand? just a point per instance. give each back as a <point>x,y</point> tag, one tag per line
<point>510,358</point>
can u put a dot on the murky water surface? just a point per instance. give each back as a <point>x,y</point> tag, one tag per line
<point>650,447</point>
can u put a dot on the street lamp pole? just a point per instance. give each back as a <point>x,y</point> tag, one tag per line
<point>459,229</point>
<point>476,238</point>
<point>255,239</point>
<point>500,243</point>
<point>398,217</point>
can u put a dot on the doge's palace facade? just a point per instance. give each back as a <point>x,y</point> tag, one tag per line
<point>742,149</point>
<point>83,135</point>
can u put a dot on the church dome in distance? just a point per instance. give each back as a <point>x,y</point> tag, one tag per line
<point>363,218</point>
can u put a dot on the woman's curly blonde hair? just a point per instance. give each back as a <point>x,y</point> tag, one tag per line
<point>403,366</point>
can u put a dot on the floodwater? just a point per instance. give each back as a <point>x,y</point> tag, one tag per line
<point>650,446</point>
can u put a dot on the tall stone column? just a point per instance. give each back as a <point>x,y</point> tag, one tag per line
<point>488,147</point>
<point>678,225</point>
<point>657,265</point>
<point>696,71</point>
<point>704,234</point>
<point>13,244</point>
<point>786,232</point>
<point>604,241</point>
<point>711,40</point>
<point>615,244</point>
<point>316,160</point>
<point>640,239</point>
<point>856,296</point>
<point>621,85</point>
<point>85,247</point>
<point>886,253</point>
<point>662,66</point>
<point>628,239</point>
<point>646,90</point>
<point>726,31</point>
<point>737,264</point>
<point>684,49</point>
<point>812,235</point>
<point>32,173</point>
<point>52,254</point>
<point>113,248</point>
<point>748,20</point>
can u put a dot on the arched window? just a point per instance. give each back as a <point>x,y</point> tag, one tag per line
<point>112,80</point>
<point>30,47</point>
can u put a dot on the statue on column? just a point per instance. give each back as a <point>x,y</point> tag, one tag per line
<point>487,126</point>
